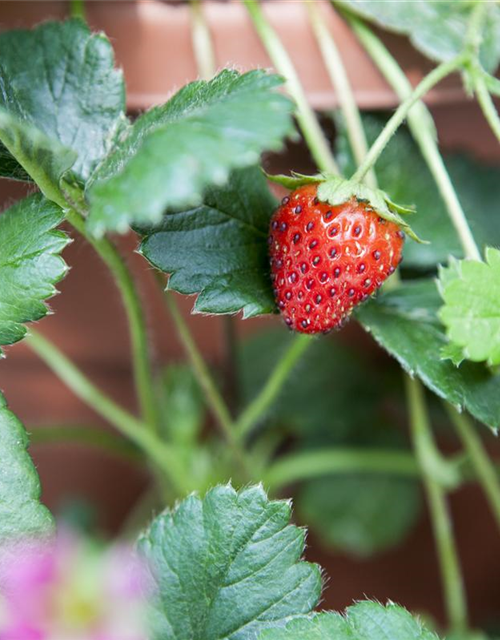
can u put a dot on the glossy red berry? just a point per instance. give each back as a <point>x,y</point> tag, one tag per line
<point>325,260</point>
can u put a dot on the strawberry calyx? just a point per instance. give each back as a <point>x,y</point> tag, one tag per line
<point>336,191</point>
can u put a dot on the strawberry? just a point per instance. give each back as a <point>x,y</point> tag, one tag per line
<point>327,259</point>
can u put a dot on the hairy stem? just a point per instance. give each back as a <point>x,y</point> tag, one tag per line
<point>486,103</point>
<point>163,456</point>
<point>205,380</point>
<point>137,324</point>
<point>483,467</point>
<point>313,464</point>
<point>423,131</point>
<point>336,70</point>
<point>453,586</point>
<point>77,9</point>
<point>433,78</point>
<point>202,42</point>
<point>256,409</point>
<point>311,129</point>
<point>86,435</point>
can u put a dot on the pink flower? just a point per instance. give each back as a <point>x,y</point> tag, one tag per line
<point>71,589</point>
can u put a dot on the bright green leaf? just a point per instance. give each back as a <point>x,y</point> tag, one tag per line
<point>21,513</point>
<point>405,323</point>
<point>402,172</point>
<point>228,567</point>
<point>219,249</point>
<point>30,264</point>
<point>437,28</point>
<point>59,80</point>
<point>174,152</point>
<point>471,311</point>
<point>360,514</point>
<point>362,621</point>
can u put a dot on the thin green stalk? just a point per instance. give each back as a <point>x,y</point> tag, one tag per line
<point>137,324</point>
<point>273,386</point>
<point>311,129</point>
<point>312,464</point>
<point>202,42</point>
<point>77,9</point>
<point>205,380</point>
<point>453,586</point>
<point>336,70</point>
<point>87,435</point>
<point>484,468</point>
<point>487,106</point>
<point>422,128</point>
<point>156,450</point>
<point>433,78</point>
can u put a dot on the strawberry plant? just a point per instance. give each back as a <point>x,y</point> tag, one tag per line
<point>310,415</point>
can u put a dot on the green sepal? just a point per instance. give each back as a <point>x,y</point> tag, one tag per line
<point>294,180</point>
<point>337,191</point>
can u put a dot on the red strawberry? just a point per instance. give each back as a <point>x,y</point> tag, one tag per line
<point>325,259</point>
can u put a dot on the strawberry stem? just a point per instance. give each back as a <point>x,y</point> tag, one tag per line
<point>486,103</point>
<point>202,42</point>
<point>311,129</point>
<point>422,128</point>
<point>425,450</point>
<point>433,78</point>
<point>77,9</point>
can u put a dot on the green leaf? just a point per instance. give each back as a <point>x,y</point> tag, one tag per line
<point>60,80</point>
<point>228,567</point>
<point>403,173</point>
<point>174,152</point>
<point>360,514</point>
<point>182,405</point>
<point>405,323</point>
<point>471,311</point>
<point>21,513</point>
<point>437,28</point>
<point>30,264</point>
<point>294,180</point>
<point>362,621</point>
<point>219,249</point>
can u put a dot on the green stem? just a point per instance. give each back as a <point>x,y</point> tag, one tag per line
<point>311,129</point>
<point>336,70</point>
<point>254,411</point>
<point>77,9</point>
<point>484,468</point>
<point>422,128</point>
<point>202,42</point>
<point>451,577</point>
<point>156,450</point>
<point>205,380</point>
<point>86,435</point>
<point>137,323</point>
<point>312,464</point>
<point>487,105</point>
<point>433,78</point>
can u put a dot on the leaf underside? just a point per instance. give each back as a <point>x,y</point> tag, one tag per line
<point>30,264</point>
<point>228,566</point>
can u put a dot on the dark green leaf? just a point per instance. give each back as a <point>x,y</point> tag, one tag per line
<point>405,323</point>
<point>174,152</point>
<point>21,513</point>
<point>360,514</point>
<point>403,173</point>
<point>228,567</point>
<point>363,621</point>
<point>60,79</point>
<point>219,249</point>
<point>30,264</point>
<point>437,28</point>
